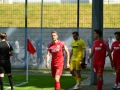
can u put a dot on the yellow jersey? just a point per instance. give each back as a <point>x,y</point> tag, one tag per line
<point>77,47</point>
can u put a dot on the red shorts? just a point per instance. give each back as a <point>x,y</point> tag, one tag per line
<point>98,68</point>
<point>56,70</point>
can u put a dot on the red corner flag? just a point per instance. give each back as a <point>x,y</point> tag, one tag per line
<point>30,47</point>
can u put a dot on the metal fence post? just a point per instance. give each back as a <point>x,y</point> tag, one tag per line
<point>26,16</point>
<point>78,5</point>
<point>97,23</point>
<point>41,28</point>
<point>26,59</point>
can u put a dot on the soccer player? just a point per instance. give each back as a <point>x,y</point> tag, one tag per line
<point>99,49</point>
<point>115,48</point>
<point>6,51</point>
<point>56,49</point>
<point>77,55</point>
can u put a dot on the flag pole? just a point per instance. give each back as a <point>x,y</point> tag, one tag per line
<point>26,15</point>
<point>27,68</point>
<point>31,50</point>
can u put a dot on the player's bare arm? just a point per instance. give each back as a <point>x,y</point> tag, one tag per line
<point>11,53</point>
<point>68,55</point>
<point>47,59</point>
<point>91,54</point>
<point>84,54</point>
<point>110,52</point>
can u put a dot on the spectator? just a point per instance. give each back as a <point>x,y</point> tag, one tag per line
<point>16,51</point>
<point>111,40</point>
<point>88,43</point>
<point>38,50</point>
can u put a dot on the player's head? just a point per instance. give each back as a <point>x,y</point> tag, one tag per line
<point>3,36</point>
<point>75,35</point>
<point>54,35</point>
<point>117,36</point>
<point>97,33</point>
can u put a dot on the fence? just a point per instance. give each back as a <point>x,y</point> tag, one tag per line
<point>56,15</point>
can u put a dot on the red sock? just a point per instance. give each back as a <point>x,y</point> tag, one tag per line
<point>116,80</point>
<point>99,85</point>
<point>119,77</point>
<point>57,86</point>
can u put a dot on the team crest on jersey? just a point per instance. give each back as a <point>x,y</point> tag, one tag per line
<point>101,44</point>
<point>58,46</point>
<point>55,49</point>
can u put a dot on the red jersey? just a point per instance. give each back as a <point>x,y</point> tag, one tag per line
<point>56,50</point>
<point>116,51</point>
<point>99,48</point>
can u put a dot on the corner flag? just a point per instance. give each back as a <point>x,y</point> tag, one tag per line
<point>30,47</point>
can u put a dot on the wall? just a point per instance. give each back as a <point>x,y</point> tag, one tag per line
<point>65,34</point>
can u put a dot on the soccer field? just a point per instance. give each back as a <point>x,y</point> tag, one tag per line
<point>40,82</point>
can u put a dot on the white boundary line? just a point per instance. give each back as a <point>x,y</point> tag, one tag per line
<point>16,85</point>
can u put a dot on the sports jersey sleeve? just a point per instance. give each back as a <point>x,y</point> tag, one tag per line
<point>106,45</point>
<point>48,50</point>
<point>71,44</point>
<point>63,43</point>
<point>93,48</point>
<point>83,44</point>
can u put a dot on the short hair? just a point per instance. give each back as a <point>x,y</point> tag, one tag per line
<point>98,32</point>
<point>3,35</point>
<point>117,33</point>
<point>75,32</point>
<point>54,32</point>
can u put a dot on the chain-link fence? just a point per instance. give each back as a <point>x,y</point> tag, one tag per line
<point>111,14</point>
<point>62,14</point>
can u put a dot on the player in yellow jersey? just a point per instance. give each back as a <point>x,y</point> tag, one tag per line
<point>77,56</point>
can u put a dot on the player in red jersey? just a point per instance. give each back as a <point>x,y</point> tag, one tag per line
<point>115,48</point>
<point>56,48</point>
<point>99,49</point>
